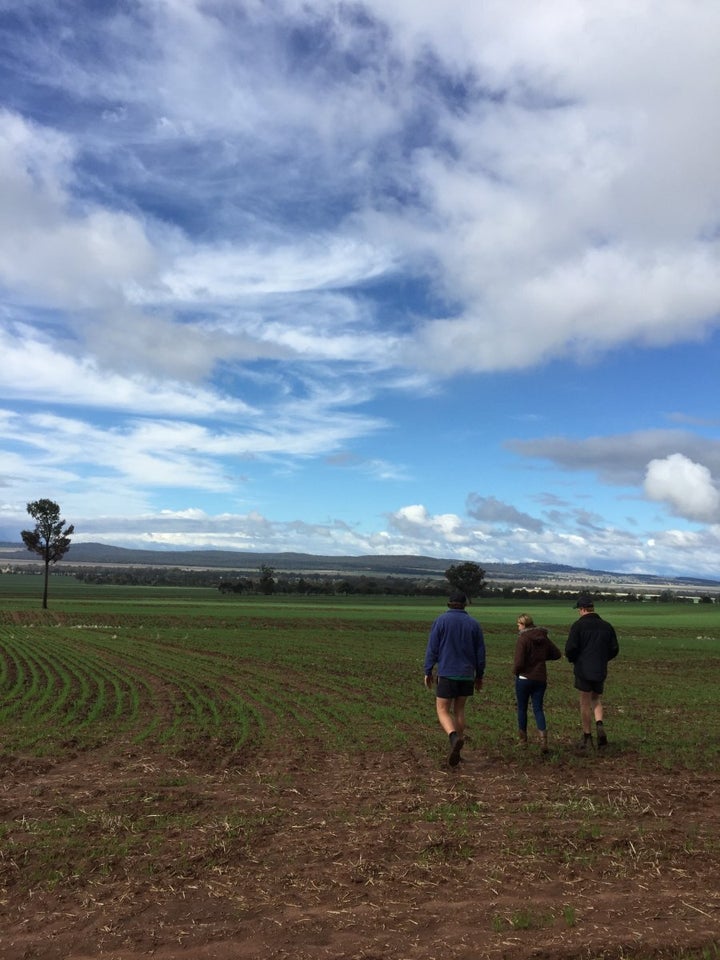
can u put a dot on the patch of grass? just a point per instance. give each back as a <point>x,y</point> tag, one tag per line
<point>524,918</point>
<point>452,813</point>
<point>569,915</point>
<point>446,850</point>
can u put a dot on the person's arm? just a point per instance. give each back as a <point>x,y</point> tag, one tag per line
<point>614,649</point>
<point>519,657</point>
<point>431,654</point>
<point>572,645</point>
<point>479,658</point>
<point>554,652</point>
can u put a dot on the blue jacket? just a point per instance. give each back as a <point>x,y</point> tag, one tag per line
<point>456,644</point>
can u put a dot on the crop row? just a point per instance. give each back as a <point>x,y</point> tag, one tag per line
<point>88,682</point>
<point>224,684</point>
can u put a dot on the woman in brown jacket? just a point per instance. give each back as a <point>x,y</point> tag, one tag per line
<point>532,650</point>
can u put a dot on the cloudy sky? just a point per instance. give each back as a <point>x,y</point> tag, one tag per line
<point>420,276</point>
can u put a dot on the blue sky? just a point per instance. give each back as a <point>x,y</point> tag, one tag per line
<point>418,277</point>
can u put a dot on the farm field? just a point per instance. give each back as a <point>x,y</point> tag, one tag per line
<point>189,775</point>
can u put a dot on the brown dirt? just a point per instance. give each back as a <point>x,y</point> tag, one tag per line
<point>295,853</point>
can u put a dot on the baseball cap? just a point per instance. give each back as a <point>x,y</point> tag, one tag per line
<point>457,596</point>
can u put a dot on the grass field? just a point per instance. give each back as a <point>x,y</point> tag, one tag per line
<point>152,738</point>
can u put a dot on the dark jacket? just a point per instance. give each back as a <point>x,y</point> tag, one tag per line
<point>456,644</point>
<point>591,643</point>
<point>533,648</point>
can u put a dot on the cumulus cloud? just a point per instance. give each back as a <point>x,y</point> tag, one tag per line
<point>416,517</point>
<point>687,487</point>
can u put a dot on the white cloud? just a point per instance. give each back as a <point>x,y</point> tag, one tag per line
<point>35,368</point>
<point>687,487</point>
<point>620,458</point>
<point>166,453</point>
<point>558,199</point>
<point>225,273</point>
<point>415,518</point>
<point>55,249</point>
<point>576,212</point>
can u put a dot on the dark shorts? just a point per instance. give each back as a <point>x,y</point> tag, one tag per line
<point>589,686</point>
<point>448,689</point>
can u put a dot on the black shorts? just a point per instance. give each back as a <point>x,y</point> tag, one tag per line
<point>448,689</point>
<point>589,686</point>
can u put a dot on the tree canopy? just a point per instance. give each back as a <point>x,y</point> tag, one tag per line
<point>50,538</point>
<point>468,577</point>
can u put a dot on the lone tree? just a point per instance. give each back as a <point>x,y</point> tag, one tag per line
<point>267,580</point>
<point>468,577</point>
<point>50,538</point>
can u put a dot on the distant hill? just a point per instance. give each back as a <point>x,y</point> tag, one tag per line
<point>530,573</point>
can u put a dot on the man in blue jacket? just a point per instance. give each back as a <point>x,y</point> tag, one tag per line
<point>457,647</point>
<point>591,643</point>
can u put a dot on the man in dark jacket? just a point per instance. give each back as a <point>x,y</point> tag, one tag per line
<point>591,644</point>
<point>457,646</point>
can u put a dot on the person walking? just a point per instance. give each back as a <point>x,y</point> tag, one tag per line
<point>532,651</point>
<point>456,647</point>
<point>591,644</point>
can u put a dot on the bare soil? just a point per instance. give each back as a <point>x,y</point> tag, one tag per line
<point>293,852</point>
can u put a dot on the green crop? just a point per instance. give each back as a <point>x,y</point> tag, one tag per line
<point>202,669</point>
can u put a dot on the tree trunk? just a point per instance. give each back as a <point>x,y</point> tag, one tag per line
<point>45,589</point>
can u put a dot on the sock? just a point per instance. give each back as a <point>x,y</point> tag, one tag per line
<point>598,723</point>
<point>587,736</point>
<point>453,737</point>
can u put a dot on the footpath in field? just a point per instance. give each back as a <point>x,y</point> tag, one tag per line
<point>295,852</point>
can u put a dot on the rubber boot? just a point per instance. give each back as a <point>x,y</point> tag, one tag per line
<point>542,737</point>
<point>522,738</point>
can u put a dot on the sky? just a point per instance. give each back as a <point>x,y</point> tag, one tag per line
<point>391,277</point>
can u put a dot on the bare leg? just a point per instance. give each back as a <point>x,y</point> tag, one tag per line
<point>586,710</point>
<point>597,707</point>
<point>460,716</point>
<point>444,712</point>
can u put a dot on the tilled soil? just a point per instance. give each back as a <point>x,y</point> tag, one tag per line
<point>295,852</point>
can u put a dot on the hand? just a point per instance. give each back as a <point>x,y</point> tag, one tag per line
<point>429,681</point>
<point>478,683</point>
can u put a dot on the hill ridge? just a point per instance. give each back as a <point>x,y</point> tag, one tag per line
<point>89,553</point>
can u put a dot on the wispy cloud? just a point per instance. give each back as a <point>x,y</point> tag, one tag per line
<point>35,367</point>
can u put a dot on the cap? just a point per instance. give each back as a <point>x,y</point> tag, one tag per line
<point>458,597</point>
<point>584,600</point>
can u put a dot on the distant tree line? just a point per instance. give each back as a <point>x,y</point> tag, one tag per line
<point>266,582</point>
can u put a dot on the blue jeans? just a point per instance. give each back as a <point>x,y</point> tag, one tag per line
<point>526,690</point>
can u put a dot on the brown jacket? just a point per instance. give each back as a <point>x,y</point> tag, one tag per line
<point>533,648</point>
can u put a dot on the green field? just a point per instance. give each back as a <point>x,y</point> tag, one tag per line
<point>189,774</point>
<point>179,667</point>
